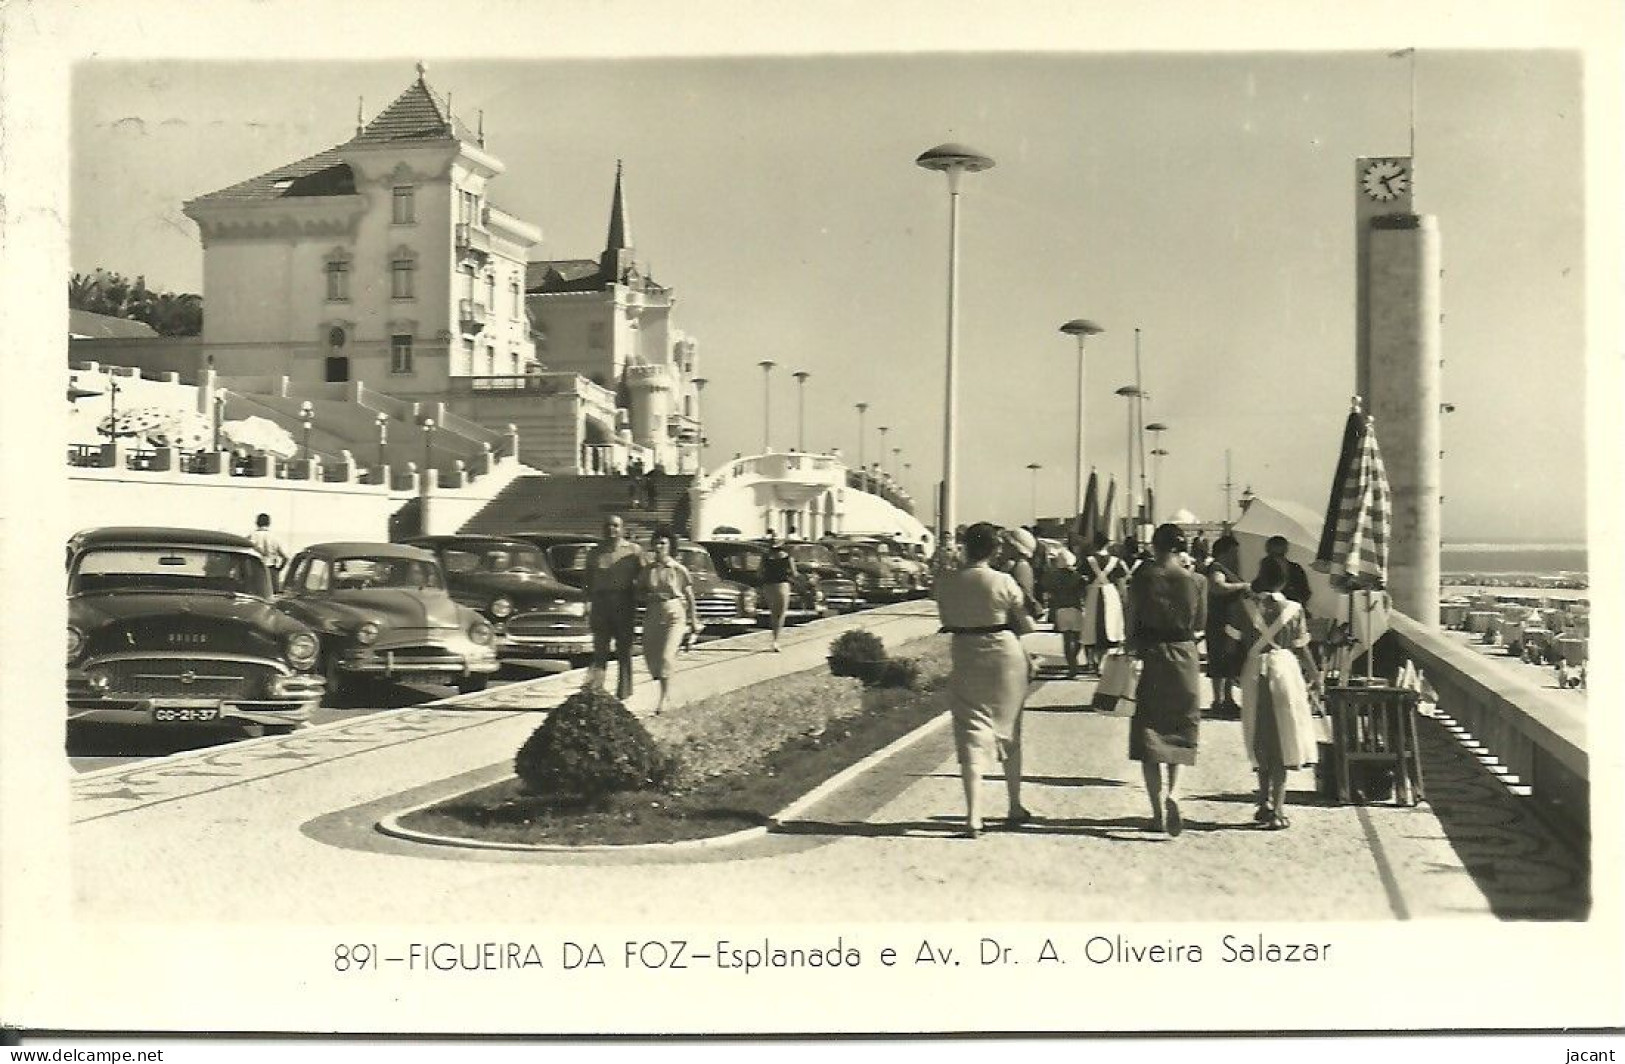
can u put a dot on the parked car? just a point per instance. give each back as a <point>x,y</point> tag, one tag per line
<point>840,590</point>
<point>178,626</point>
<point>721,603</point>
<point>876,567</point>
<point>531,612</point>
<point>566,554</point>
<point>741,561</point>
<point>913,556</point>
<point>382,612</point>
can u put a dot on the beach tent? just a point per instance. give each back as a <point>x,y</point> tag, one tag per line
<point>1301,527</point>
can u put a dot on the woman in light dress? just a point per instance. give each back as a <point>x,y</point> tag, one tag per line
<point>985,613</point>
<point>1276,721</point>
<point>666,591</point>
<point>778,570</point>
<point>1102,573</point>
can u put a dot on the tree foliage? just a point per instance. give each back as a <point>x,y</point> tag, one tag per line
<point>113,294</point>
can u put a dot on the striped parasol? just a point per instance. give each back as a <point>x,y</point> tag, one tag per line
<point>1354,541</point>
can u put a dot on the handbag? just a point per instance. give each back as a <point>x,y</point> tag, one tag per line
<point>1119,676</point>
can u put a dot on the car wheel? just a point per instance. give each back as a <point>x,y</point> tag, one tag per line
<point>469,685</point>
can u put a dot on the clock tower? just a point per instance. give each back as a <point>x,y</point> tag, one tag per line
<point>1398,368</point>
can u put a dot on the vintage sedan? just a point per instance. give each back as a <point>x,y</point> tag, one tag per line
<point>840,591</point>
<point>177,626</point>
<point>723,604</point>
<point>382,612</point>
<point>533,614</point>
<point>741,561</point>
<point>876,566</point>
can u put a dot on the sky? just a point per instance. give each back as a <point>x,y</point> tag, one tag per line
<point>1205,199</point>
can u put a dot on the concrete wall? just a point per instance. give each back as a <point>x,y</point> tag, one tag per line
<point>1406,348</point>
<point>1540,737</point>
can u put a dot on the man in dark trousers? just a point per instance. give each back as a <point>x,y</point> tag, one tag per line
<point>613,565</point>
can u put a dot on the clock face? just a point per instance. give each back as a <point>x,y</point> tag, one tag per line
<point>1385,180</point>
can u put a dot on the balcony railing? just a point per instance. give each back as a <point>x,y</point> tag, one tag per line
<point>472,241</point>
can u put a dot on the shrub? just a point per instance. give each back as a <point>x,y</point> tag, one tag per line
<point>856,653</point>
<point>899,672</point>
<point>589,748</point>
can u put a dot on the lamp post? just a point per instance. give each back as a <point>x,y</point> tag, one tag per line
<point>1132,507</point>
<point>112,409</point>
<point>423,477</point>
<point>307,416</point>
<point>767,365</point>
<point>382,421</point>
<point>1034,467</point>
<point>1247,498</point>
<point>801,376</point>
<point>219,416</point>
<point>882,463</point>
<point>1228,485</point>
<point>1080,328</point>
<point>1156,428</point>
<point>862,409</point>
<point>953,160</point>
<point>699,429</point>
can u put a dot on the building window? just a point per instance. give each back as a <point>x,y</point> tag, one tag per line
<point>518,299</point>
<point>338,281</point>
<point>404,210</point>
<point>516,369</point>
<point>400,353</point>
<point>468,207</point>
<point>468,358</point>
<point>400,278</point>
<point>490,361</point>
<point>491,292</point>
<point>597,335</point>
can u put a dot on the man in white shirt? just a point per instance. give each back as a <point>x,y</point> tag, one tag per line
<point>269,548</point>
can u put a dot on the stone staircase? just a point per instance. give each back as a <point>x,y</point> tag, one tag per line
<point>578,505</point>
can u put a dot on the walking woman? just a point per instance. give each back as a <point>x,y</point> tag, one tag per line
<point>1102,573</point>
<point>778,569</point>
<point>1224,588</point>
<point>666,592</point>
<point>1167,607</point>
<point>985,612</point>
<point>1063,590</point>
<point>1276,721</point>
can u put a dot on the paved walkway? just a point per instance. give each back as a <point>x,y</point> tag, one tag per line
<point>292,819</point>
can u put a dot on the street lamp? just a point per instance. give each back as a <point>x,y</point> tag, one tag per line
<point>112,409</point>
<point>423,477</point>
<point>801,376</point>
<point>767,365</point>
<point>882,463</point>
<point>219,416</point>
<point>1081,328</point>
<point>1156,428</point>
<point>1034,467</point>
<point>381,419</point>
<point>862,409</point>
<point>953,160</point>
<point>1247,498</point>
<point>1132,394</point>
<point>307,415</point>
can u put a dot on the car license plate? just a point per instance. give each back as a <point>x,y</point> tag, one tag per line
<point>426,677</point>
<point>562,650</point>
<point>185,714</point>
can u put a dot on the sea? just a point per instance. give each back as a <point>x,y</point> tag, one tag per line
<point>1539,559</point>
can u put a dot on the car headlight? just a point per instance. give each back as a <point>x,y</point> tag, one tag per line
<point>747,600</point>
<point>570,608</point>
<point>864,579</point>
<point>501,607</point>
<point>367,634</point>
<point>480,633</point>
<point>76,642</point>
<point>301,649</point>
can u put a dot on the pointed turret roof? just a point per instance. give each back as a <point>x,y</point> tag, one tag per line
<point>418,114</point>
<point>620,234</point>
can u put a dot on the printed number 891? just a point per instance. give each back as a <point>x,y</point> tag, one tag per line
<point>357,957</point>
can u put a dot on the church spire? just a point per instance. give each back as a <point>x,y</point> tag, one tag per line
<point>617,257</point>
